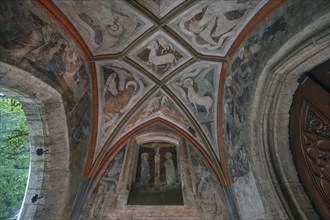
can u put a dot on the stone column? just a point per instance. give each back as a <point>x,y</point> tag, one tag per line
<point>157,167</point>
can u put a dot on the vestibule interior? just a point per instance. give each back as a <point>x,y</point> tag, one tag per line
<point>184,101</point>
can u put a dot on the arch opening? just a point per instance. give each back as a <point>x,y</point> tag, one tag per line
<point>15,156</point>
<point>37,98</point>
<point>269,121</point>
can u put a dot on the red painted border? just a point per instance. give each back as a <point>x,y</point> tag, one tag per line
<point>59,16</point>
<point>52,9</point>
<point>223,160</point>
<point>270,6</point>
<point>94,126</point>
<point>128,135</point>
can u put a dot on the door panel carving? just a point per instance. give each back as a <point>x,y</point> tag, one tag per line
<point>310,138</point>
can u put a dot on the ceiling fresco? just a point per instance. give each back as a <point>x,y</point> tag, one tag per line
<point>108,26</point>
<point>160,8</point>
<point>151,95</point>
<point>158,59</point>
<point>159,55</point>
<point>121,87</point>
<point>160,105</point>
<point>211,26</point>
<point>196,87</point>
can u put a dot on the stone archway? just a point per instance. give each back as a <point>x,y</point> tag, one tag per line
<point>269,121</point>
<point>44,110</point>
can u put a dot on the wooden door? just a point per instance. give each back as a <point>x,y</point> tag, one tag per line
<point>310,136</point>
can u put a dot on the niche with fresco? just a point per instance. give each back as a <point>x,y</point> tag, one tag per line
<point>156,180</point>
<point>156,173</point>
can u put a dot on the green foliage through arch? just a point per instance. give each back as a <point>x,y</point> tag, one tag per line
<point>14,156</point>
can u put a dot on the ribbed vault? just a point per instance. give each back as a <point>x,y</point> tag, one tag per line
<point>162,70</point>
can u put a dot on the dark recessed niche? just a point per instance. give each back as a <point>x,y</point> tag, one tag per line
<point>157,179</point>
<point>142,197</point>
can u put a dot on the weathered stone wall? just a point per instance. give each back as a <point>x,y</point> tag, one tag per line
<point>49,173</point>
<point>252,178</point>
<point>33,42</point>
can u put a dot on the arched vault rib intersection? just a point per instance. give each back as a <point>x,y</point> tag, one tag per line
<point>144,82</point>
<point>194,98</point>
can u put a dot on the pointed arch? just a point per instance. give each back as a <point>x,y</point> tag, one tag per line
<point>218,173</point>
<point>47,132</point>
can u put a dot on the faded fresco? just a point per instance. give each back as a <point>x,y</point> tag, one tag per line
<point>41,47</point>
<point>157,180</point>
<point>160,8</point>
<point>79,125</point>
<point>38,46</point>
<point>210,26</point>
<point>243,72</point>
<point>159,105</point>
<point>197,86</point>
<point>205,187</point>
<point>104,195</point>
<point>239,84</point>
<point>108,26</point>
<point>159,55</point>
<point>31,40</point>
<point>121,88</point>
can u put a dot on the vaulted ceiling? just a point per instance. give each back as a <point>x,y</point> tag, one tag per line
<point>171,69</point>
<point>158,60</point>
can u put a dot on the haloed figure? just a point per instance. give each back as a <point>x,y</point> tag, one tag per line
<point>145,171</point>
<point>170,171</point>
